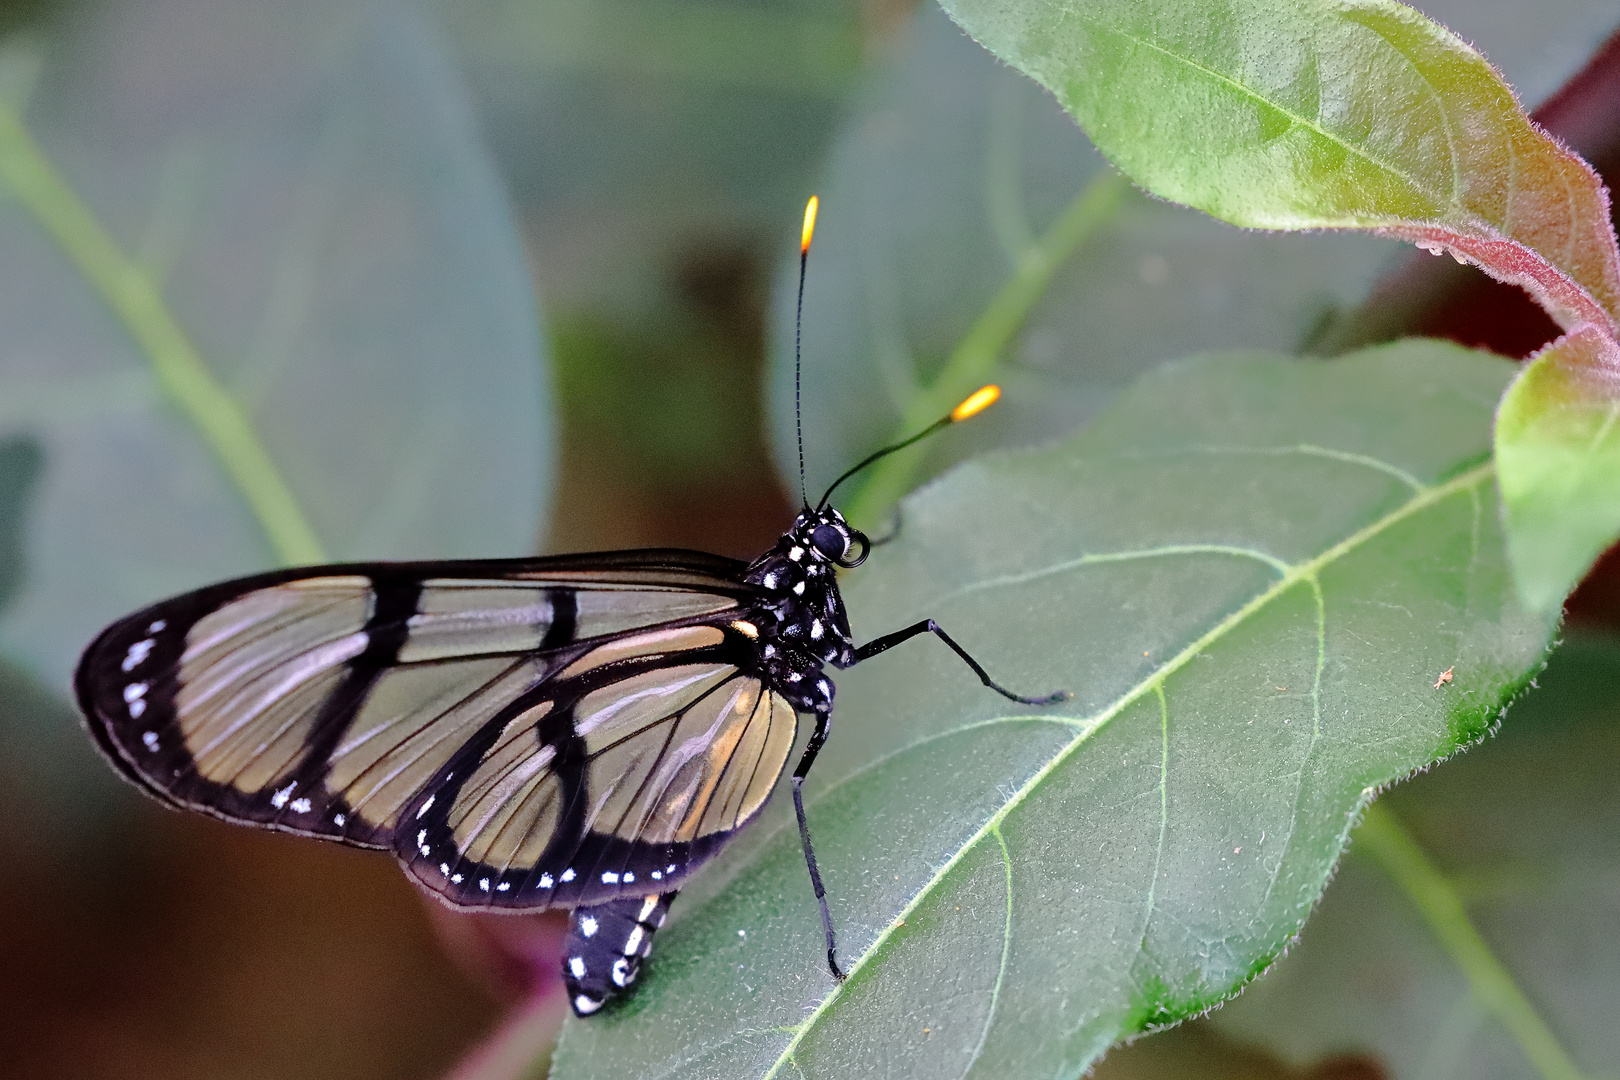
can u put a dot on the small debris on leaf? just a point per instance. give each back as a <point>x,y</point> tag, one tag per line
<point>1445,677</point>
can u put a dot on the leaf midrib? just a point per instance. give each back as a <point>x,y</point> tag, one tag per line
<point>1254,95</point>
<point>1300,573</point>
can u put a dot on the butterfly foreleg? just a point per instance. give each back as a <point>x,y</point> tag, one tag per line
<point>813,747</point>
<point>929,626</point>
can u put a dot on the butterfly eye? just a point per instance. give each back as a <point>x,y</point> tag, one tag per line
<point>830,541</point>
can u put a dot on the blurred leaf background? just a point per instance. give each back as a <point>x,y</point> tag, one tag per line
<point>506,275</point>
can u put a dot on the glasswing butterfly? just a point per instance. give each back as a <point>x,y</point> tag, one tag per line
<point>577,731</point>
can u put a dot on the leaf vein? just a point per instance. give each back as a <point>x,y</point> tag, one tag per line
<point>1348,147</point>
<point>1102,557</point>
<point>1006,950</point>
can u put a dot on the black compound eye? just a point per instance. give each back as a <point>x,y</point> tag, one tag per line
<point>828,540</point>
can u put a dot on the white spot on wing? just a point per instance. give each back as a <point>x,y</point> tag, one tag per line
<point>137,707</point>
<point>584,1004</point>
<point>632,944</point>
<point>545,881</point>
<point>629,878</point>
<point>157,626</point>
<point>339,820</point>
<point>503,886</point>
<point>425,807</point>
<point>609,877</point>
<point>588,925</point>
<point>300,806</point>
<point>137,654</point>
<point>279,799</point>
<point>150,739</point>
<point>577,966</point>
<point>568,874</point>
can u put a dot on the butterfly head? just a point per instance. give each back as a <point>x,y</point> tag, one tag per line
<point>826,534</point>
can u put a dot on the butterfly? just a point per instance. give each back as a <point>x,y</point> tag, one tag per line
<point>577,731</point>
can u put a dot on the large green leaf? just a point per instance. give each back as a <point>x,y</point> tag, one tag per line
<point>1250,572</point>
<point>264,302</point>
<point>1526,831</point>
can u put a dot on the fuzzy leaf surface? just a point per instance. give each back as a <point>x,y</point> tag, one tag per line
<point>1558,453</point>
<point>1249,571</point>
<point>1527,829</point>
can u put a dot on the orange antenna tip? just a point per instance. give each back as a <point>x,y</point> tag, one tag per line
<point>978,401</point>
<point>809,224</point>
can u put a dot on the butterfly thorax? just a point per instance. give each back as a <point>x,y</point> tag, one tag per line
<point>801,620</point>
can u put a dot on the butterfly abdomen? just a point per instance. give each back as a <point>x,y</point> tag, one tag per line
<point>605,947</point>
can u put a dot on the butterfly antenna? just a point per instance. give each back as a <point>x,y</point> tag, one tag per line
<point>805,234</point>
<point>975,403</point>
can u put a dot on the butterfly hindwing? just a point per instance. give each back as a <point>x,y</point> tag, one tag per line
<point>626,770</point>
<point>535,711</point>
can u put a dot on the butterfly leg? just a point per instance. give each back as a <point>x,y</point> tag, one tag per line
<point>605,946</point>
<point>929,626</point>
<point>811,749</point>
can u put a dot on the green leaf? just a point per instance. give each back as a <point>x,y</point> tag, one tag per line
<point>1558,452</point>
<point>1250,572</point>
<point>264,303</point>
<point>969,232</point>
<point>1524,831</point>
<point>1318,113</point>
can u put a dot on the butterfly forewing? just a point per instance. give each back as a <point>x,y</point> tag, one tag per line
<point>535,715</point>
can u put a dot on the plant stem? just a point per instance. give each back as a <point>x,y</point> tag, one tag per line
<point>1385,839</point>
<point>132,295</point>
<point>975,355</point>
